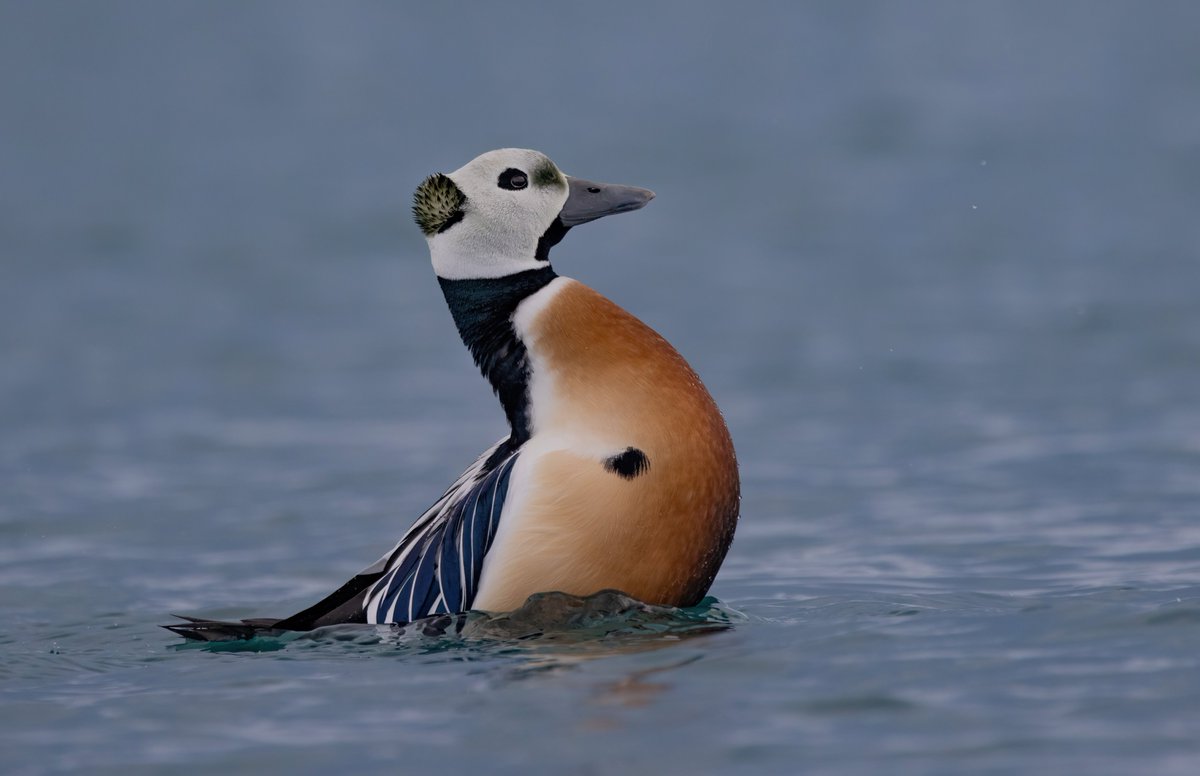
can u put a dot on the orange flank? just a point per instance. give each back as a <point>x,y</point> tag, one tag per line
<point>604,382</point>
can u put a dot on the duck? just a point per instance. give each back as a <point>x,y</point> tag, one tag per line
<point>618,472</point>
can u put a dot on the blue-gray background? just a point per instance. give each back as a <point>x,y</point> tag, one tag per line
<point>936,261</point>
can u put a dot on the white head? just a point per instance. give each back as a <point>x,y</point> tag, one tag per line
<point>490,217</point>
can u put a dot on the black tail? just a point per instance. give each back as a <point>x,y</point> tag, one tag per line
<point>341,606</point>
<point>216,630</point>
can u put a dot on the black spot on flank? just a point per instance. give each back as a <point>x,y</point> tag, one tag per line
<point>628,464</point>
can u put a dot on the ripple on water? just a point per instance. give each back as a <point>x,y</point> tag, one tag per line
<point>548,623</point>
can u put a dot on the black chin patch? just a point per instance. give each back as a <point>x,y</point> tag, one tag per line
<point>552,237</point>
<point>628,464</point>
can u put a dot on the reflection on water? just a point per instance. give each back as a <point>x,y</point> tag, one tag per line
<point>550,633</point>
<point>639,688</point>
<point>549,630</point>
<point>559,618</point>
<point>936,262</point>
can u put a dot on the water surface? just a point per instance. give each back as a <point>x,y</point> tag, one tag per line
<point>937,263</point>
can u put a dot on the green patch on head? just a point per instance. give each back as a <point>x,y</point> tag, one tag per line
<point>548,175</point>
<point>437,204</point>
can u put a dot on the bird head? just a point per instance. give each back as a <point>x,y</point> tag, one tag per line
<point>500,213</point>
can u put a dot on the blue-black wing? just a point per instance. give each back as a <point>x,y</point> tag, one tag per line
<point>435,568</point>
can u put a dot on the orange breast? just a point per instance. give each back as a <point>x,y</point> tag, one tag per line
<point>602,382</point>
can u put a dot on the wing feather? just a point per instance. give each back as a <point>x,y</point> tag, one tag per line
<point>436,567</point>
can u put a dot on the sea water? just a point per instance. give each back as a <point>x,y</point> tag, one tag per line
<point>937,263</point>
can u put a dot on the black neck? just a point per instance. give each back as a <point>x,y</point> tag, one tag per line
<point>483,310</point>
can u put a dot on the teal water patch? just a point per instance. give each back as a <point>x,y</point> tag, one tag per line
<point>934,262</point>
<point>547,622</point>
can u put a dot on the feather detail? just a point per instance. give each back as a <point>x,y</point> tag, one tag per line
<point>436,566</point>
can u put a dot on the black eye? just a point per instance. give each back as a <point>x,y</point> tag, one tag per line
<point>513,179</point>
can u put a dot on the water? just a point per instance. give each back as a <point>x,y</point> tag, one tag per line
<point>937,263</point>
